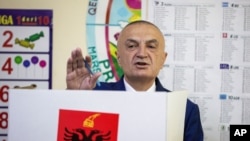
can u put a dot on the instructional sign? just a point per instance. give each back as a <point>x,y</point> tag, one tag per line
<point>25,55</point>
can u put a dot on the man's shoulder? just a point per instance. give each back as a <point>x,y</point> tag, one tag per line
<point>191,107</point>
<point>190,103</point>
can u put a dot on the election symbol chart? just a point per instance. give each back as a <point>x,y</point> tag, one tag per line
<point>208,55</point>
<point>105,19</point>
<point>25,55</point>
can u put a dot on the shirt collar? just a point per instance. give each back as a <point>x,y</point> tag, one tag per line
<point>129,88</point>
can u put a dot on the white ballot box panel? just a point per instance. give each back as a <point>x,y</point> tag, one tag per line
<point>38,114</point>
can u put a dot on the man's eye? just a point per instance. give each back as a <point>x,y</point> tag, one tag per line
<point>151,46</point>
<point>131,46</point>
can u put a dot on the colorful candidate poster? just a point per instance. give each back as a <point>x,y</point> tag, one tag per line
<point>25,54</point>
<point>105,19</point>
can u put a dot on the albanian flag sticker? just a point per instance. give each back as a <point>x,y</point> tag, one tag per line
<point>87,126</point>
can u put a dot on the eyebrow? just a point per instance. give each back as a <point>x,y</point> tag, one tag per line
<point>131,40</point>
<point>147,42</point>
<point>152,41</point>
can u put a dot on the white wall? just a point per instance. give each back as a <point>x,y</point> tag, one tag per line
<point>68,30</point>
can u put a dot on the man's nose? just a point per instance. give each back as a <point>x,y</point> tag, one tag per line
<point>142,51</point>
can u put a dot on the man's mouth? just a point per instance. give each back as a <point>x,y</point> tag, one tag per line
<point>141,63</point>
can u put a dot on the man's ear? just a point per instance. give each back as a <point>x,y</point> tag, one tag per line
<point>164,59</point>
<point>118,57</point>
<point>166,56</point>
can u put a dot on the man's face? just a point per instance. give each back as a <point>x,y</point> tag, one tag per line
<point>141,51</point>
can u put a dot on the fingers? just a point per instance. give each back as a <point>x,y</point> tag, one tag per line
<point>77,57</point>
<point>76,60</point>
<point>79,75</point>
<point>92,81</point>
<point>69,65</point>
<point>95,77</point>
<point>88,59</point>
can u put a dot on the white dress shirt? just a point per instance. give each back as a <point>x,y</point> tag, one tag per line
<point>131,89</point>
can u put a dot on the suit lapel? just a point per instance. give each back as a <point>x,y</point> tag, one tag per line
<point>121,86</point>
<point>159,86</point>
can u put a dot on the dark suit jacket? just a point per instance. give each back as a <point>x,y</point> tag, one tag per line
<point>192,128</point>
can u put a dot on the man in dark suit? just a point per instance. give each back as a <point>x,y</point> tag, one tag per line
<point>141,54</point>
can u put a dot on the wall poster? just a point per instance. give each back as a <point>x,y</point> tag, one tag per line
<point>25,55</point>
<point>105,19</point>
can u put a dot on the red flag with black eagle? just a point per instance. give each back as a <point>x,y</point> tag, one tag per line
<point>87,126</point>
